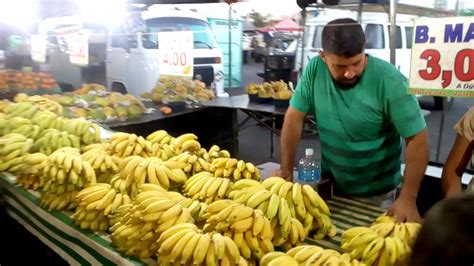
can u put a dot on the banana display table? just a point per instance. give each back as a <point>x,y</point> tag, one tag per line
<point>82,247</point>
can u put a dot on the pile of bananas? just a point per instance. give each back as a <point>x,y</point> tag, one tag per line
<point>21,126</point>
<point>124,145</point>
<point>206,187</point>
<point>65,174</point>
<point>387,226</point>
<point>249,228</point>
<point>136,170</point>
<point>87,131</point>
<point>195,207</point>
<point>42,103</point>
<point>105,165</point>
<point>186,142</point>
<point>151,214</point>
<point>305,204</point>
<point>365,244</point>
<point>95,203</point>
<point>185,244</point>
<point>234,169</point>
<point>13,149</point>
<point>213,153</point>
<point>194,164</point>
<point>52,139</point>
<point>117,215</point>
<point>30,175</point>
<point>309,256</point>
<point>160,137</point>
<point>163,151</point>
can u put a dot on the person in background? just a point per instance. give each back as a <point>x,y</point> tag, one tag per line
<point>447,234</point>
<point>362,109</point>
<point>459,156</point>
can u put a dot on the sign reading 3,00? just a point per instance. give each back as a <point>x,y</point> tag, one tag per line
<point>442,61</point>
<point>176,53</point>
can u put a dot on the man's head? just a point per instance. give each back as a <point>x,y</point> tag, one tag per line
<point>343,43</point>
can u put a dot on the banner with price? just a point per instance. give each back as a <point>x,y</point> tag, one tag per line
<point>442,60</point>
<point>79,54</point>
<point>38,48</point>
<point>176,53</point>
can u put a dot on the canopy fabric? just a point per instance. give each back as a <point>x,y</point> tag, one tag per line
<point>284,25</point>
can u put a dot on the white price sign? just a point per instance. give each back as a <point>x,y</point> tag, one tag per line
<point>442,61</point>
<point>65,35</point>
<point>176,53</point>
<point>38,48</point>
<point>79,54</point>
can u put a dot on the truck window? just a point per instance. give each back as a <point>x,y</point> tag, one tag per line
<point>375,36</point>
<point>398,36</point>
<point>409,35</point>
<point>120,40</point>
<point>317,36</point>
<point>203,36</point>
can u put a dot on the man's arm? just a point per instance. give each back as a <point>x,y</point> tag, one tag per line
<point>416,158</point>
<point>455,165</point>
<point>290,137</point>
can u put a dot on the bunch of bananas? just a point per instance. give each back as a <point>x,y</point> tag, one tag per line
<point>105,165</point>
<point>160,137</point>
<point>278,258</point>
<point>136,170</point>
<point>194,164</point>
<point>30,175</point>
<point>213,153</point>
<point>117,215</point>
<point>249,228</point>
<point>163,151</point>
<point>41,102</point>
<point>185,244</point>
<point>153,213</point>
<point>305,204</point>
<point>3,104</point>
<point>387,226</point>
<point>13,150</point>
<point>53,139</point>
<point>186,142</point>
<point>206,187</point>
<point>65,174</point>
<point>95,203</point>
<point>99,145</point>
<point>87,131</point>
<point>21,126</point>
<point>314,255</point>
<point>26,110</point>
<point>124,144</point>
<point>365,244</point>
<point>234,169</point>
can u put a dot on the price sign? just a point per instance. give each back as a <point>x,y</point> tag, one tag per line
<point>79,54</point>
<point>442,61</point>
<point>64,37</point>
<point>38,48</point>
<point>176,53</point>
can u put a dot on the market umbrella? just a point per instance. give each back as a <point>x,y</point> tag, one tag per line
<point>287,25</point>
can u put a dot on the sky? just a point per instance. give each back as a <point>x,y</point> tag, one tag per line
<point>288,7</point>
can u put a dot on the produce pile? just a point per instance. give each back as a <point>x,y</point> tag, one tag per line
<point>14,79</point>
<point>91,101</point>
<point>172,200</point>
<point>178,90</point>
<point>278,90</point>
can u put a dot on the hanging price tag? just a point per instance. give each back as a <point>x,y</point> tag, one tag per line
<point>442,61</point>
<point>176,53</point>
<point>38,48</point>
<point>79,54</point>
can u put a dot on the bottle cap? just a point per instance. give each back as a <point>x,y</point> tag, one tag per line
<point>308,152</point>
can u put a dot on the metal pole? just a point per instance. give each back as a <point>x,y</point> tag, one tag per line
<point>359,14</point>
<point>230,45</point>
<point>393,30</point>
<point>456,9</point>
<point>303,18</point>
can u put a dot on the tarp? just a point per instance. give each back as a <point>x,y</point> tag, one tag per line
<point>284,25</point>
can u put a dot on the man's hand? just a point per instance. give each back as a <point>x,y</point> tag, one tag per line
<point>404,210</point>
<point>288,175</point>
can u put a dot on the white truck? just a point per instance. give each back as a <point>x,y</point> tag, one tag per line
<point>132,63</point>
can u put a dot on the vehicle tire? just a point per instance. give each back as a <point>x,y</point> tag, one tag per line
<point>258,58</point>
<point>438,103</point>
<point>119,87</point>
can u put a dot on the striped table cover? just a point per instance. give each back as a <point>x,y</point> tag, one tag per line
<point>82,247</point>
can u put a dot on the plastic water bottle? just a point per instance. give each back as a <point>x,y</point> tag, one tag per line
<point>308,169</point>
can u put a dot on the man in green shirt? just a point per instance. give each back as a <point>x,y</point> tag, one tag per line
<point>362,109</point>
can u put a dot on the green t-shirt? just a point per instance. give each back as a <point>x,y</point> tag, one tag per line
<point>360,128</point>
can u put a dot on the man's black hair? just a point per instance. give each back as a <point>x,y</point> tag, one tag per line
<point>343,37</point>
